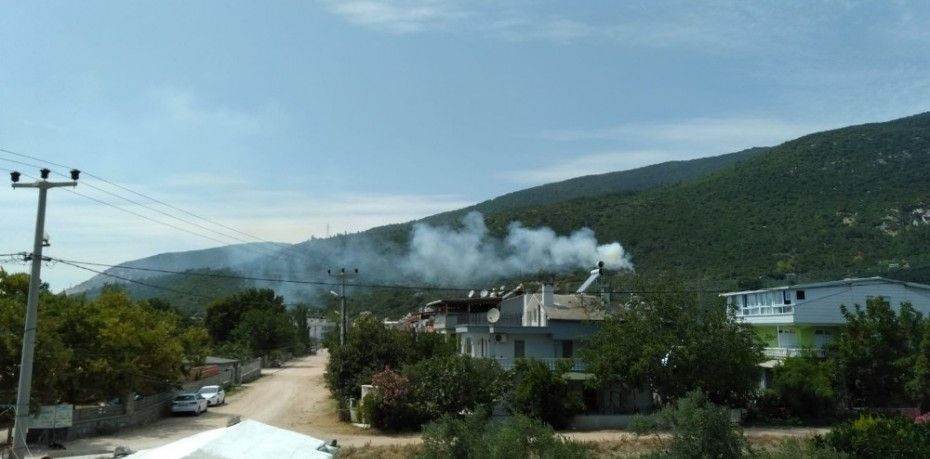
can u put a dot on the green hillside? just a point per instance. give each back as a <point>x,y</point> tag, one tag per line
<point>848,202</point>
<point>844,202</point>
<point>592,186</point>
<point>188,293</point>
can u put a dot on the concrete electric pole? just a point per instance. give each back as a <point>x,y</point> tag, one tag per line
<point>344,324</point>
<point>21,425</point>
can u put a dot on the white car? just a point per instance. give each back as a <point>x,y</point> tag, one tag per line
<point>215,395</point>
<point>189,403</point>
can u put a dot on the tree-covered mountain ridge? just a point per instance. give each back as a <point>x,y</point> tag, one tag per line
<point>845,202</point>
<point>318,251</point>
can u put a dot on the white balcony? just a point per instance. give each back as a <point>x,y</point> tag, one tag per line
<point>770,310</point>
<point>577,364</point>
<point>782,352</point>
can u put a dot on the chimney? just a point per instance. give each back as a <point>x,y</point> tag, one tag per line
<point>548,291</point>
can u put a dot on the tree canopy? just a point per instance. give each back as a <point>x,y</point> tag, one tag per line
<point>664,340</point>
<point>90,350</point>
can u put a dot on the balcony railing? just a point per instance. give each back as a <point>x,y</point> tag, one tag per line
<point>577,364</point>
<point>475,318</point>
<point>765,310</point>
<point>782,352</point>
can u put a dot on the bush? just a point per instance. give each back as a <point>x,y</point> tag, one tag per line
<point>802,387</point>
<point>370,348</point>
<point>389,407</point>
<point>454,384</point>
<point>794,448</point>
<point>699,429</point>
<point>473,436</point>
<point>543,394</point>
<point>879,437</point>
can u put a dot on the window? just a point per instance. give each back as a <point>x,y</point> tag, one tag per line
<point>799,295</point>
<point>468,346</point>
<point>519,348</point>
<point>568,349</point>
<point>786,296</point>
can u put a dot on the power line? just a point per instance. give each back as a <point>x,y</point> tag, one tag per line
<point>336,284</point>
<point>155,200</point>
<point>126,279</point>
<point>263,250</point>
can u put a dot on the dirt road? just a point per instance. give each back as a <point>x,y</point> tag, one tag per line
<point>294,397</point>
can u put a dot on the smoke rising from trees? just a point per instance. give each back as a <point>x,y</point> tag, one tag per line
<point>471,253</point>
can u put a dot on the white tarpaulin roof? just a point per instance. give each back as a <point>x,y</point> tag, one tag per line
<point>246,440</point>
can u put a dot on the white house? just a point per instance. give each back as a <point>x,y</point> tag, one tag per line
<point>543,326</point>
<point>806,316</point>
<point>318,328</point>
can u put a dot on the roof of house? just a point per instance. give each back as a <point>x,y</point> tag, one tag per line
<point>219,360</point>
<point>461,303</point>
<point>572,313</point>
<point>248,439</point>
<point>848,281</point>
<point>572,307</point>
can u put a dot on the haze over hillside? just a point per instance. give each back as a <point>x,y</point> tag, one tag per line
<point>315,256</point>
<point>842,202</point>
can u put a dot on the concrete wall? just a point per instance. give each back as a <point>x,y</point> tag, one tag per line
<point>250,371</point>
<point>134,413</point>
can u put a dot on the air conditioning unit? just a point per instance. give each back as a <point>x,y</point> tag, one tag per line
<point>500,338</point>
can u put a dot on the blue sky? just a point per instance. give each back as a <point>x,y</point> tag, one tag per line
<point>278,118</point>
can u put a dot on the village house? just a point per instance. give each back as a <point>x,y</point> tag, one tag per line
<point>794,318</point>
<point>544,326</point>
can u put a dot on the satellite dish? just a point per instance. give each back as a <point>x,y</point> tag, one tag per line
<point>483,294</point>
<point>494,315</point>
<point>471,293</point>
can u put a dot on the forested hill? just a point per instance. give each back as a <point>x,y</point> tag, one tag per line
<point>845,202</point>
<point>318,253</point>
<point>592,186</point>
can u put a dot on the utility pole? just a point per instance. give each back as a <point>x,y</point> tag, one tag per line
<point>21,425</point>
<point>343,326</point>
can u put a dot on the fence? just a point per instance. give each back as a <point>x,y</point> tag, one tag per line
<point>96,420</point>
<point>224,378</point>
<point>250,371</point>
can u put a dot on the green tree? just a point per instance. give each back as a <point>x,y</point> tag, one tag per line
<point>918,385</point>
<point>93,350</point>
<point>544,394</point>
<point>224,315</point>
<point>254,319</point>
<point>264,332</point>
<point>455,383</point>
<point>803,386</point>
<point>51,374</point>
<point>370,348</point>
<point>300,314</point>
<point>666,342</point>
<point>875,352</point>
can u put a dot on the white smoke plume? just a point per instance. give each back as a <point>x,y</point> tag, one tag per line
<point>469,254</point>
